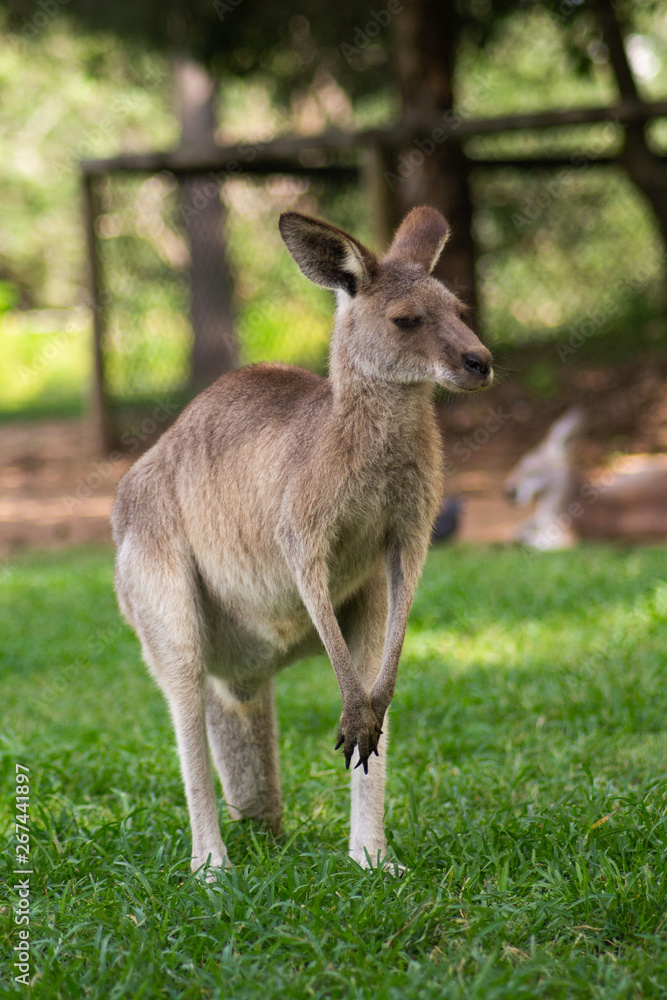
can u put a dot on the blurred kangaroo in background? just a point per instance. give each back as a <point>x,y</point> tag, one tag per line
<point>629,502</point>
<point>284,512</point>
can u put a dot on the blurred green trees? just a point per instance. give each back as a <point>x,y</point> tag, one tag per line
<point>556,250</point>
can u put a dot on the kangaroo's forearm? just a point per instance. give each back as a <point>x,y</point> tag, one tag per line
<point>403,569</point>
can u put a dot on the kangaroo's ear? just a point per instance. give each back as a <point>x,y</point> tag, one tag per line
<point>567,426</point>
<point>420,238</point>
<point>327,255</point>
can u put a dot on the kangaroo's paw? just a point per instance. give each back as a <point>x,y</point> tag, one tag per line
<point>358,728</point>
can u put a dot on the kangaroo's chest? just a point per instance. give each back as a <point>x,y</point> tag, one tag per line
<point>393,497</point>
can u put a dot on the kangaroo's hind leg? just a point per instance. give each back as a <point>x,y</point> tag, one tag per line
<point>243,735</point>
<point>159,597</point>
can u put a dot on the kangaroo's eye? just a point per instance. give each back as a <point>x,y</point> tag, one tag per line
<point>407,322</point>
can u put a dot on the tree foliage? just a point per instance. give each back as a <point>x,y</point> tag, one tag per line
<point>293,42</point>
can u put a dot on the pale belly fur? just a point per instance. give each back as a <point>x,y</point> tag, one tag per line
<point>255,620</point>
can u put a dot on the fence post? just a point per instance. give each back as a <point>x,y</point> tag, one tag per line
<point>98,404</point>
<point>379,162</point>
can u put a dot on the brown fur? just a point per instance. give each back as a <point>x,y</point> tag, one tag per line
<point>284,512</point>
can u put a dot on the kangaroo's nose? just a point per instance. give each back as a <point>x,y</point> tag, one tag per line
<point>476,363</point>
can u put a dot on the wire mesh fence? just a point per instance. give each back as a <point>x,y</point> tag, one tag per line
<point>191,276</point>
<point>169,311</point>
<point>144,265</point>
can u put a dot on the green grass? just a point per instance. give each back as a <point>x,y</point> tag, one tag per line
<point>527,794</point>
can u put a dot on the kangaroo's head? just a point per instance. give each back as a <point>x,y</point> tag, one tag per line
<point>395,321</point>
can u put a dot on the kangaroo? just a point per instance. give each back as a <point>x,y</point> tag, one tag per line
<point>628,503</point>
<point>284,514</point>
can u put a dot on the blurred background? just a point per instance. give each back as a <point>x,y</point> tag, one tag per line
<point>147,150</point>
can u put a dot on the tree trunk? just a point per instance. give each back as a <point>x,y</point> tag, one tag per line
<point>433,170</point>
<point>214,349</point>
<point>646,170</point>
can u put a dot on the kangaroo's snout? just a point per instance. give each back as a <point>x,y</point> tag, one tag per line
<point>467,364</point>
<point>478,363</point>
<point>463,362</point>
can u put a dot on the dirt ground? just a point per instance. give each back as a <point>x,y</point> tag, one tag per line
<point>54,492</point>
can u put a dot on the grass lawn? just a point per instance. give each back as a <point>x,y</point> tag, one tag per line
<point>527,795</point>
